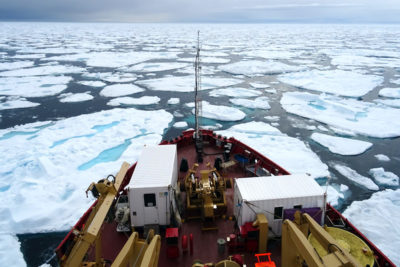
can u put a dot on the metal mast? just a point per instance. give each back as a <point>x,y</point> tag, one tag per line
<point>197,88</point>
<point>197,105</point>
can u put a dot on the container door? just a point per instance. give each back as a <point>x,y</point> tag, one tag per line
<point>150,209</point>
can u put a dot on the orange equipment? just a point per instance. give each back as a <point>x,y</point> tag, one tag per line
<point>268,263</point>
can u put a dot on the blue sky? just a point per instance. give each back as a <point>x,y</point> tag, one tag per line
<point>244,11</point>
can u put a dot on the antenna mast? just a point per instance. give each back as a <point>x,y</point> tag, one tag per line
<point>197,105</point>
<point>197,88</point>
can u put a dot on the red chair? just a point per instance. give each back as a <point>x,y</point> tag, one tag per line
<point>268,263</point>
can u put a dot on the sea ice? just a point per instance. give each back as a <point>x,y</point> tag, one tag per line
<point>186,83</point>
<point>343,188</point>
<point>173,101</point>
<point>155,66</point>
<point>272,118</point>
<point>79,97</point>
<point>340,145</point>
<point>126,101</point>
<point>216,60</point>
<point>82,147</point>
<point>390,92</point>
<point>13,103</point>
<point>43,70</point>
<point>378,218</point>
<point>333,195</point>
<point>271,91</point>
<point>290,153</point>
<point>338,82</point>
<point>10,253</point>
<point>116,90</point>
<point>259,85</point>
<point>383,177</point>
<point>181,124</point>
<point>37,86</point>
<point>221,113</point>
<point>259,102</point>
<point>356,177</point>
<point>357,60</point>
<point>254,67</point>
<point>15,65</point>
<point>93,83</point>
<point>234,92</point>
<point>389,102</point>
<point>395,81</point>
<point>29,56</point>
<point>382,157</point>
<point>116,77</point>
<point>348,114</point>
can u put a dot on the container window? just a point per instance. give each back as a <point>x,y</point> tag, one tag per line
<point>278,213</point>
<point>298,207</point>
<point>149,200</point>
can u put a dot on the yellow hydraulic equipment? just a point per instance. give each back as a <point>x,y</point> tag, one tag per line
<point>348,241</point>
<point>262,223</point>
<point>206,193</point>
<point>224,263</point>
<point>137,252</point>
<point>296,249</point>
<point>90,234</point>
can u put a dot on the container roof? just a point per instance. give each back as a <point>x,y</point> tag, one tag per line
<point>154,167</point>
<point>278,187</point>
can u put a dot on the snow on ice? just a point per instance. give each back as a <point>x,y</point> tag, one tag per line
<point>355,177</point>
<point>376,217</point>
<point>259,102</point>
<point>290,153</point>
<point>116,90</point>
<point>382,157</point>
<point>43,70</point>
<point>359,117</point>
<point>173,101</point>
<point>390,92</point>
<point>383,177</point>
<point>79,97</point>
<point>234,92</point>
<point>155,66</point>
<point>180,124</point>
<point>17,102</point>
<point>15,65</point>
<point>126,101</point>
<point>186,83</point>
<point>340,145</point>
<point>221,113</point>
<point>338,82</point>
<point>254,67</point>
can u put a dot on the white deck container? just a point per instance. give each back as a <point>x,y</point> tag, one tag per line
<point>271,195</point>
<point>151,187</point>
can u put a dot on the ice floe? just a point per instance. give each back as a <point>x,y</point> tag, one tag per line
<point>221,113</point>
<point>180,124</point>
<point>116,90</point>
<point>17,102</point>
<point>234,92</point>
<point>37,86</point>
<point>343,188</point>
<point>382,157</point>
<point>116,77</point>
<point>126,101</point>
<point>390,92</point>
<point>15,65</point>
<point>384,177</point>
<point>272,118</point>
<point>289,152</point>
<point>389,102</point>
<point>378,219</point>
<point>338,82</point>
<point>43,70</point>
<point>259,85</point>
<point>173,101</point>
<point>348,114</point>
<point>254,67</point>
<point>333,195</point>
<point>10,253</point>
<point>61,158</point>
<point>93,83</point>
<point>340,145</point>
<point>155,66</point>
<point>79,97</point>
<point>29,56</point>
<point>362,61</point>
<point>355,177</point>
<point>259,102</point>
<point>186,83</point>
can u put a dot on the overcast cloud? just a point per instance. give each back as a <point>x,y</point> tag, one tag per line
<point>305,11</point>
